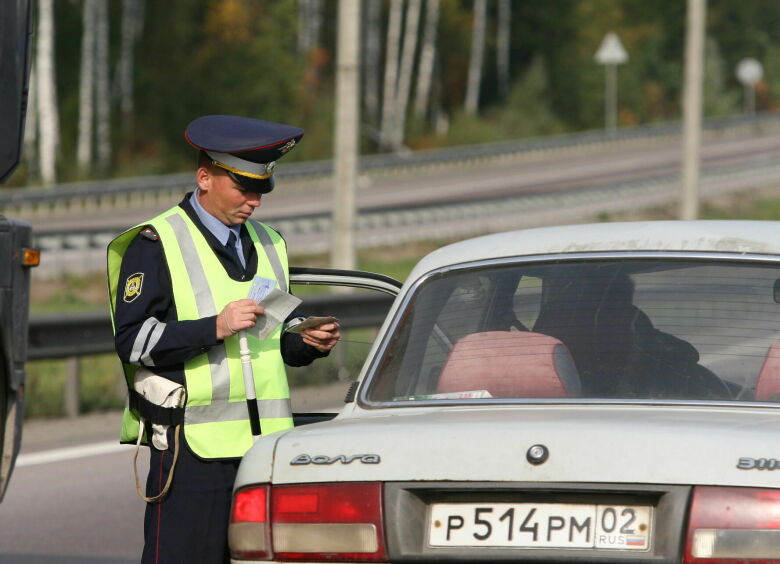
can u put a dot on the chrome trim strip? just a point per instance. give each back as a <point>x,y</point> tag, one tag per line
<point>596,402</point>
<point>340,280</point>
<point>366,381</point>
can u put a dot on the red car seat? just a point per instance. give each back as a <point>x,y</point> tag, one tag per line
<point>768,383</point>
<point>510,364</point>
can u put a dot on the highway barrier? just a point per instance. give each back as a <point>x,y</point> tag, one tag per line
<point>71,335</point>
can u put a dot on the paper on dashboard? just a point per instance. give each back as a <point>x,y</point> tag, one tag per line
<point>278,305</point>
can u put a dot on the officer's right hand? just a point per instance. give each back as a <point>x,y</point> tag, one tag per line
<point>238,315</point>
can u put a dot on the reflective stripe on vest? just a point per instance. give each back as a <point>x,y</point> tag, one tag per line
<point>216,422</point>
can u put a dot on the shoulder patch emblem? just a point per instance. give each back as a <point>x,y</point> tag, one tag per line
<point>150,234</point>
<point>133,286</point>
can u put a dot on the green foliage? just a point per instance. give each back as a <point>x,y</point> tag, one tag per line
<point>743,208</point>
<point>216,57</point>
<point>70,293</point>
<point>46,380</point>
<point>45,389</point>
<point>195,57</point>
<point>524,114</point>
<point>718,99</point>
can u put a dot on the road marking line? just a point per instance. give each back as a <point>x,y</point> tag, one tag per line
<point>69,453</point>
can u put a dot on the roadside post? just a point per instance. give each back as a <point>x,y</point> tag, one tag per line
<point>693,94</point>
<point>346,138</point>
<point>611,53</point>
<point>749,72</point>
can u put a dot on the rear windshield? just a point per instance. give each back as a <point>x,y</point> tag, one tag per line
<point>618,329</point>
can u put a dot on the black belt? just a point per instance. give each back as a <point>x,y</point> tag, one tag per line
<point>155,413</point>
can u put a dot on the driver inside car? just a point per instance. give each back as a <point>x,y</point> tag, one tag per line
<point>617,350</point>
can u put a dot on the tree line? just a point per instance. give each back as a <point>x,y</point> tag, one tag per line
<point>114,82</point>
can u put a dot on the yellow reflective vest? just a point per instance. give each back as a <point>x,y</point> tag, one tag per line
<point>216,422</point>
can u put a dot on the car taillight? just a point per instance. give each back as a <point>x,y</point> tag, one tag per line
<point>249,535</point>
<point>333,522</point>
<point>729,525</point>
<point>315,522</point>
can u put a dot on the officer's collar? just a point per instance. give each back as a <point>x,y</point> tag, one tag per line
<point>215,226</point>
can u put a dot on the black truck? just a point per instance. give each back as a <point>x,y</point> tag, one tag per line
<point>16,254</point>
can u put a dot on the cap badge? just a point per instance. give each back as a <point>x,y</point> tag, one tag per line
<point>287,146</point>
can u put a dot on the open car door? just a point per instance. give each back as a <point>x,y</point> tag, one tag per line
<point>360,301</point>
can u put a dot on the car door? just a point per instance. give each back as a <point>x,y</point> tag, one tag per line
<point>360,301</point>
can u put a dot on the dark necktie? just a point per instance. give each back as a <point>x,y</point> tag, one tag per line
<point>231,249</point>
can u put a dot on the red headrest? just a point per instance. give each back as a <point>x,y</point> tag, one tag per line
<point>768,383</point>
<point>510,364</point>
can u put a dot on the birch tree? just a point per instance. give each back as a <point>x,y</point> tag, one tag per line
<point>86,87</point>
<point>475,61</point>
<point>427,55</point>
<point>411,26</point>
<point>31,125</point>
<point>102,88</point>
<point>391,73</point>
<point>309,25</point>
<point>132,20</point>
<point>370,59</point>
<point>48,113</point>
<point>503,46</point>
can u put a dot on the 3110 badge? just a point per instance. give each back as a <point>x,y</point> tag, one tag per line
<point>133,286</point>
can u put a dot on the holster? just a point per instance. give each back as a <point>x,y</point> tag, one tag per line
<point>161,402</point>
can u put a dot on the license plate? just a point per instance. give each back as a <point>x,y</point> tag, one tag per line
<point>541,525</point>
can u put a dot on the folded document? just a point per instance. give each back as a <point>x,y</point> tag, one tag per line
<point>278,305</point>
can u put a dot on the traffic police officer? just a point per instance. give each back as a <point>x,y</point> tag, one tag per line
<point>178,285</point>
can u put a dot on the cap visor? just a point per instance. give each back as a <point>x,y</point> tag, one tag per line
<point>259,186</point>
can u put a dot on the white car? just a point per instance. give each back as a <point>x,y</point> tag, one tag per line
<point>590,393</point>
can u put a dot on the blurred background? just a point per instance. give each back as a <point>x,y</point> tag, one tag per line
<point>472,116</point>
<point>427,121</point>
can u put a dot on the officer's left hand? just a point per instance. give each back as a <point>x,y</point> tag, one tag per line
<point>322,337</point>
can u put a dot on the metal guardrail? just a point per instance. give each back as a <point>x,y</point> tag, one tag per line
<point>383,226</point>
<point>65,335</point>
<point>102,192</point>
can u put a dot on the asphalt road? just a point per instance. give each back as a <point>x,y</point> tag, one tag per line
<point>544,172</point>
<point>71,499</point>
<point>67,505</point>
